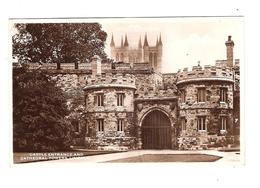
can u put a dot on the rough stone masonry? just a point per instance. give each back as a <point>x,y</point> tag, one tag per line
<point>191,109</point>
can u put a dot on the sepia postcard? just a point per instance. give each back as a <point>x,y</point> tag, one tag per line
<point>127,90</point>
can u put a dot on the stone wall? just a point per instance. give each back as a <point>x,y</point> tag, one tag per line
<point>72,85</point>
<point>109,78</point>
<point>152,85</point>
<point>110,100</point>
<point>169,80</point>
<point>144,91</point>
<point>212,95</point>
<point>110,136</point>
<point>69,82</point>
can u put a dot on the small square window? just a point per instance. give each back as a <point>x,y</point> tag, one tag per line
<point>201,94</point>
<point>120,99</point>
<point>100,125</point>
<point>223,94</point>
<point>100,99</point>
<point>223,123</point>
<point>120,125</point>
<point>201,123</point>
<point>183,96</point>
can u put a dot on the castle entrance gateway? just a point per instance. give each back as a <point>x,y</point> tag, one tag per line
<point>156,131</point>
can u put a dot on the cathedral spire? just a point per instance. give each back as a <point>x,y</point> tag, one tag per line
<point>145,40</point>
<point>112,43</point>
<point>140,43</point>
<point>122,43</point>
<point>126,42</point>
<point>157,41</point>
<point>160,40</point>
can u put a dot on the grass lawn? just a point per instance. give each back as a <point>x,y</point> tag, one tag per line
<point>168,158</point>
<point>24,157</point>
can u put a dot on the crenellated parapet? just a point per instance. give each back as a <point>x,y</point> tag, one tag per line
<point>108,80</point>
<point>86,68</point>
<point>63,66</point>
<point>208,73</point>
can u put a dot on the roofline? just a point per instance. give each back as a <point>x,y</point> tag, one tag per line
<point>205,79</point>
<point>155,99</point>
<point>99,86</point>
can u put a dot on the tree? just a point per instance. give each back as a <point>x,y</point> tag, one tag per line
<point>39,113</point>
<point>58,42</point>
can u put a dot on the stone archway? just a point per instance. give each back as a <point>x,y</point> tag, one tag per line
<point>156,131</point>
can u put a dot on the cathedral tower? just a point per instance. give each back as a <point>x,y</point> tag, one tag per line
<point>141,54</point>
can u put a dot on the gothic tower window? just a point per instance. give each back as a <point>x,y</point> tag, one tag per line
<point>151,58</point>
<point>122,57</point>
<point>130,59</point>
<point>155,60</point>
<point>117,57</point>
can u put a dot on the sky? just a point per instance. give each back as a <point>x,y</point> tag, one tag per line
<point>186,40</point>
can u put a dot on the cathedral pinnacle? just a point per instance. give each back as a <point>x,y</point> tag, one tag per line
<point>126,42</point>
<point>145,40</point>
<point>160,40</point>
<point>112,43</point>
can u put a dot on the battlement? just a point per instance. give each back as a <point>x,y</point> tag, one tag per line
<point>221,63</point>
<point>110,80</point>
<point>63,66</point>
<point>142,66</point>
<point>208,73</point>
<point>67,68</point>
<point>122,66</point>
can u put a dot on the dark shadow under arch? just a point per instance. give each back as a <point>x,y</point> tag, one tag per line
<point>156,131</point>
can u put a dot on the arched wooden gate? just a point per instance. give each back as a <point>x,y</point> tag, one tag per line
<point>156,131</point>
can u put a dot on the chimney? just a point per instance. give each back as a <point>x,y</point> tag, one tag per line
<point>230,45</point>
<point>96,65</point>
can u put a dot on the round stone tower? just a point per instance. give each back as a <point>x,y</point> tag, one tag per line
<point>205,106</point>
<point>110,111</point>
